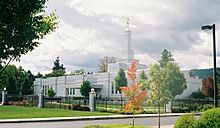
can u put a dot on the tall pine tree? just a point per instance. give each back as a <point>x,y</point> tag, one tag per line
<point>166,56</point>
<point>174,80</point>
<point>120,80</point>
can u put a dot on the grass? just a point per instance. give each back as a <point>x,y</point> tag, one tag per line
<point>15,112</point>
<point>116,126</point>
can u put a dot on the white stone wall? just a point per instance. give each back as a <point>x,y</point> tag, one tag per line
<point>104,82</point>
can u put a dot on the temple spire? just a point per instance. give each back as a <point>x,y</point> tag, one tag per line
<point>128,53</point>
<point>127,22</point>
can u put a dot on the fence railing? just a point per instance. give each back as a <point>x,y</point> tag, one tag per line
<point>114,103</point>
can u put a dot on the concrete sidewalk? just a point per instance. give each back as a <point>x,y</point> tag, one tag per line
<point>89,118</point>
<point>165,126</point>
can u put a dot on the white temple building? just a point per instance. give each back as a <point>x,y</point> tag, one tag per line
<point>103,83</point>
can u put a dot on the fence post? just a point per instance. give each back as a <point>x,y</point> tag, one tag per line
<point>106,104</point>
<point>92,95</point>
<point>121,102</point>
<point>60,101</point>
<point>4,99</point>
<point>32,100</point>
<point>41,99</point>
<point>168,107</point>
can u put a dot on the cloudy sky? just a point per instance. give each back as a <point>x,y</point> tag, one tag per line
<point>91,29</point>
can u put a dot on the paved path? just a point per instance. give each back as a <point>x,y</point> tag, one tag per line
<point>152,121</point>
<point>167,121</point>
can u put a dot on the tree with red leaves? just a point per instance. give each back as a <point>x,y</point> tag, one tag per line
<point>134,92</point>
<point>208,87</point>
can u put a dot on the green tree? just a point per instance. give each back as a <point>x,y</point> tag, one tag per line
<point>57,70</point>
<point>57,65</point>
<point>39,75</point>
<point>51,92</point>
<point>143,80</point>
<point>120,80</point>
<point>28,84</point>
<point>159,93</point>
<point>166,56</point>
<point>142,76</point>
<point>17,80</point>
<point>85,88</point>
<point>197,94</point>
<point>174,80</point>
<point>22,23</point>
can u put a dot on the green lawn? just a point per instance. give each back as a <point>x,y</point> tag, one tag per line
<point>116,126</point>
<point>15,112</point>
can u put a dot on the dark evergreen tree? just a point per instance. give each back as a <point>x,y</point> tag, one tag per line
<point>57,70</point>
<point>142,76</point>
<point>17,80</point>
<point>39,75</point>
<point>120,80</point>
<point>166,56</point>
<point>143,81</point>
<point>57,65</point>
<point>51,92</point>
<point>85,88</point>
<point>174,79</point>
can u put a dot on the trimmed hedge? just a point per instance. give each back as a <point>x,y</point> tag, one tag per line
<point>76,107</point>
<point>185,121</point>
<point>127,113</point>
<point>209,119</point>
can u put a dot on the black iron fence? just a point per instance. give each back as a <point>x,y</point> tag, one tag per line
<point>74,103</point>
<point>113,103</point>
<point>23,100</point>
<point>191,105</point>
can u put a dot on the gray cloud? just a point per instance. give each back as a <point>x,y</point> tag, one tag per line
<point>155,25</point>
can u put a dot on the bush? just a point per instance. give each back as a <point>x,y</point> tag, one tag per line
<point>209,119</point>
<point>206,107</point>
<point>94,126</point>
<point>76,107</point>
<point>180,110</point>
<point>141,111</point>
<point>197,95</point>
<point>185,121</point>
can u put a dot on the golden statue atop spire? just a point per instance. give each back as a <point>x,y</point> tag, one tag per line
<point>127,22</point>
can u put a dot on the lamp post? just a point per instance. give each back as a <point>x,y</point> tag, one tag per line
<point>209,27</point>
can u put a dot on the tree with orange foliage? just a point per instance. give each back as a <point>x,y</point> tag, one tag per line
<point>134,92</point>
<point>208,87</point>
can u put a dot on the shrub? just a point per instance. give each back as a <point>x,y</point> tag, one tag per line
<point>75,106</point>
<point>141,111</point>
<point>185,121</point>
<point>94,126</point>
<point>193,107</point>
<point>82,108</point>
<point>209,119</point>
<point>180,110</point>
<point>197,94</point>
<point>207,107</point>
